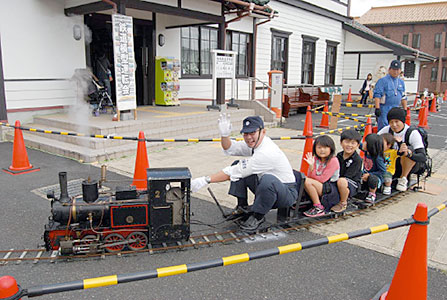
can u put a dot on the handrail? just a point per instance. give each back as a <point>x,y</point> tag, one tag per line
<point>252,91</point>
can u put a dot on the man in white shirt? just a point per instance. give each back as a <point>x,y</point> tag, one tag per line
<point>266,172</point>
<point>411,149</point>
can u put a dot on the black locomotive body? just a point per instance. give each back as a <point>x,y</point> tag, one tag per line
<point>95,222</point>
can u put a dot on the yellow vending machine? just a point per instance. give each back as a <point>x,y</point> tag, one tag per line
<point>167,81</point>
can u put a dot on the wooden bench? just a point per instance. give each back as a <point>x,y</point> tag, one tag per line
<point>293,102</point>
<point>297,99</point>
<point>314,94</point>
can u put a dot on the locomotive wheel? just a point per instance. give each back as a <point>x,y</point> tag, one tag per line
<point>114,238</point>
<point>140,240</point>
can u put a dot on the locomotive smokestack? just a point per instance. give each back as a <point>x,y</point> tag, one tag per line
<point>63,185</point>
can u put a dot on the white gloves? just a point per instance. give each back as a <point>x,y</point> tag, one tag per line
<point>224,125</point>
<point>198,183</point>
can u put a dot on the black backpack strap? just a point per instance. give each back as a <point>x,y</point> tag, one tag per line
<point>408,133</point>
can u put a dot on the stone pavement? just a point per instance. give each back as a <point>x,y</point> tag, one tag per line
<point>207,158</point>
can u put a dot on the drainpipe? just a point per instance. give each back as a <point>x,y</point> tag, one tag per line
<point>115,8</point>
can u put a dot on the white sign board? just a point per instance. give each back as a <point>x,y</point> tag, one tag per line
<point>225,66</point>
<point>124,58</point>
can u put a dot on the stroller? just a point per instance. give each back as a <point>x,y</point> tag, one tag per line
<point>99,98</point>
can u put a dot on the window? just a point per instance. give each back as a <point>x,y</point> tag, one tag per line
<point>240,42</point>
<point>331,61</point>
<point>438,37</point>
<point>416,41</point>
<point>444,74</point>
<point>409,69</point>
<point>308,60</point>
<point>434,74</point>
<point>405,39</point>
<point>196,45</point>
<point>280,51</point>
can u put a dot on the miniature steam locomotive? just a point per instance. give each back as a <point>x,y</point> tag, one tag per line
<point>94,222</point>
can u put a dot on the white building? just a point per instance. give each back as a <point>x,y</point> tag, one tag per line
<point>44,42</point>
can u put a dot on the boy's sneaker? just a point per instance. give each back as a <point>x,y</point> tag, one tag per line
<point>402,184</point>
<point>314,212</point>
<point>251,224</point>
<point>371,198</point>
<point>386,190</point>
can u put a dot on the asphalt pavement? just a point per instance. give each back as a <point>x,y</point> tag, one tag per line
<point>337,271</point>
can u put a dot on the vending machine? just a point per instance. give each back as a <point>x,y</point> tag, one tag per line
<point>167,84</point>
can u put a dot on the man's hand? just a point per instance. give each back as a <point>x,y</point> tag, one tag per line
<point>198,183</point>
<point>224,125</point>
<point>377,112</point>
<point>403,149</point>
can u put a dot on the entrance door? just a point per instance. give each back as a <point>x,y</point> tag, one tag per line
<point>144,58</point>
<point>101,29</point>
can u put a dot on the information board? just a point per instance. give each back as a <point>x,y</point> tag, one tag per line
<point>124,62</point>
<point>225,66</point>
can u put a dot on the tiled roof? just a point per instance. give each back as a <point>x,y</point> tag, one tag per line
<point>412,13</point>
<point>358,28</point>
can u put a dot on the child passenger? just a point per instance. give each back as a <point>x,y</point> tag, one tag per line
<point>390,156</point>
<point>373,165</point>
<point>350,168</point>
<point>322,174</point>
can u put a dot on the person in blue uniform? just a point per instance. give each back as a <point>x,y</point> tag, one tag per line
<point>389,92</point>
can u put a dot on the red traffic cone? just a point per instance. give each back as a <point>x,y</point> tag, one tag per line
<point>308,133</point>
<point>141,164</point>
<point>308,123</point>
<point>8,287</point>
<point>415,100</point>
<point>433,106</point>
<point>349,96</point>
<point>325,117</point>
<point>410,278</point>
<point>20,163</point>
<point>408,117</point>
<point>368,130</point>
<point>423,113</point>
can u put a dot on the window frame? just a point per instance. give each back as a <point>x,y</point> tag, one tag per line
<point>313,41</point>
<point>201,75</point>
<point>278,34</point>
<point>418,45</point>
<point>327,70</point>
<point>434,74</point>
<point>438,42</point>
<point>444,74</point>
<point>405,39</point>
<point>229,46</point>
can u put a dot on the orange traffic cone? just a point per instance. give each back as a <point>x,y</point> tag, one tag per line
<point>368,130</point>
<point>433,106</point>
<point>308,133</point>
<point>408,117</point>
<point>423,116</point>
<point>8,287</point>
<point>416,100</point>
<point>141,164</point>
<point>349,96</point>
<point>410,278</point>
<point>445,96</point>
<point>325,117</point>
<point>421,110</point>
<point>20,162</point>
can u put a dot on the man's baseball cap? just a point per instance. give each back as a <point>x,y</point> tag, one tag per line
<point>251,124</point>
<point>395,64</point>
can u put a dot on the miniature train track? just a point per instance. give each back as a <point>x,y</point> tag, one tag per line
<point>18,256</point>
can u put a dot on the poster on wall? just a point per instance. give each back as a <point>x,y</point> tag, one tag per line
<point>124,58</point>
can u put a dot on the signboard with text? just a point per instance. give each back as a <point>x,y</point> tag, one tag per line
<point>225,66</point>
<point>124,62</point>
